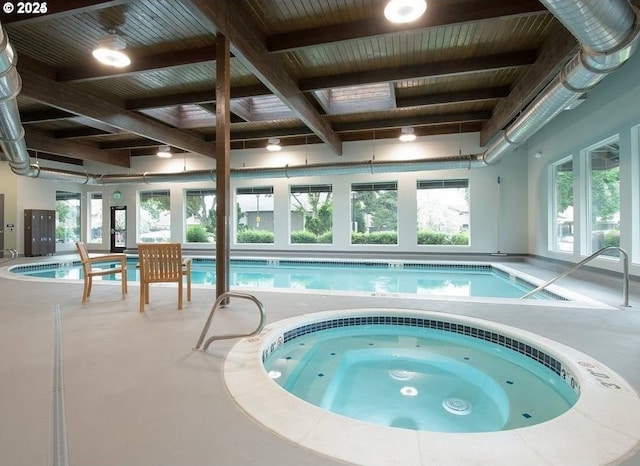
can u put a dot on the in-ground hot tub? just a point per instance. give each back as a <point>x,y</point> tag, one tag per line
<point>600,427</point>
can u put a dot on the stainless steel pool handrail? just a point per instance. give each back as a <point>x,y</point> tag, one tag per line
<point>625,273</point>
<point>222,299</point>
<point>13,252</point>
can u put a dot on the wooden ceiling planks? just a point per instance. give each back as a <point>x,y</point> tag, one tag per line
<point>442,65</point>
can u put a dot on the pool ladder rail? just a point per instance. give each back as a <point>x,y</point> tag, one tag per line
<point>625,273</point>
<point>13,253</point>
<point>221,302</point>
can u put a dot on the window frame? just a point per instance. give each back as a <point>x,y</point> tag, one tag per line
<point>211,231</point>
<point>150,194</point>
<point>367,237</point>
<point>258,234</point>
<point>441,238</point>
<point>61,223</point>
<point>308,236</point>
<point>95,196</point>
<point>590,246</point>
<point>553,210</point>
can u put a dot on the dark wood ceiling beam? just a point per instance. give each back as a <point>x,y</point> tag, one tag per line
<point>451,121</point>
<point>439,13</point>
<point>130,144</point>
<point>147,151</point>
<point>426,70</point>
<point>144,103</point>
<point>269,133</point>
<point>556,51</point>
<point>70,99</point>
<point>231,19</point>
<point>138,65</point>
<point>40,142</point>
<point>79,133</point>
<point>444,98</point>
<point>211,108</point>
<point>364,135</point>
<point>59,9</point>
<point>202,97</point>
<point>43,116</point>
<point>55,158</point>
<point>413,121</point>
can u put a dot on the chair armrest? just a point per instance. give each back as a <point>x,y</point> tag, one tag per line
<point>108,257</point>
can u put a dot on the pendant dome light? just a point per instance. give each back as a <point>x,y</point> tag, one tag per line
<point>404,11</point>
<point>407,134</point>
<point>164,152</point>
<point>109,51</point>
<point>274,145</point>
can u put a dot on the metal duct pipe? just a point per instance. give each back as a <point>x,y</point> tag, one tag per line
<point>345,168</point>
<point>608,32</point>
<point>11,130</point>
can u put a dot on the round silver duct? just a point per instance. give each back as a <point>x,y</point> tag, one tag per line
<point>608,32</point>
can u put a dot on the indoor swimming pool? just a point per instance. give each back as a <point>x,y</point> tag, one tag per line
<point>371,277</point>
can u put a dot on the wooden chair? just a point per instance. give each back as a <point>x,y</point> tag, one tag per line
<point>90,271</point>
<point>162,263</point>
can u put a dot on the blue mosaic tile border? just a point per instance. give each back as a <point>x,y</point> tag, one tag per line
<point>521,347</point>
<point>42,266</point>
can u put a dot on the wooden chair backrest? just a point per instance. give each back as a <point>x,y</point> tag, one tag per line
<point>84,255</point>
<point>160,262</point>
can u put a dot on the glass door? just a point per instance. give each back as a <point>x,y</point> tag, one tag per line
<point>118,228</point>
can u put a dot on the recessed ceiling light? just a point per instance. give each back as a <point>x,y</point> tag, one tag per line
<point>404,11</point>
<point>407,134</point>
<point>274,144</point>
<point>109,51</point>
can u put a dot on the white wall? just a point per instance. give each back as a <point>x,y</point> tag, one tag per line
<point>513,236</point>
<point>26,193</point>
<point>9,187</point>
<point>611,109</point>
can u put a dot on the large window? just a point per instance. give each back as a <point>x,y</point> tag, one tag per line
<point>254,215</point>
<point>374,213</point>
<point>154,217</point>
<point>200,212</point>
<point>311,214</point>
<point>67,217</point>
<point>604,196</point>
<point>95,218</point>
<point>562,199</point>
<point>443,212</point>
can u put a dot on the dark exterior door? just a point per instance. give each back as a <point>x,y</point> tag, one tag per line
<point>118,228</point>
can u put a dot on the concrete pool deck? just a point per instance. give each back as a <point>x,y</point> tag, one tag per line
<point>135,393</point>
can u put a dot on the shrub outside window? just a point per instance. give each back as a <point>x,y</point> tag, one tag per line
<point>154,217</point>
<point>443,212</point>
<point>562,217</point>
<point>200,212</point>
<point>311,214</point>
<point>67,217</point>
<point>604,196</point>
<point>374,213</point>
<point>254,208</point>
<point>95,218</point>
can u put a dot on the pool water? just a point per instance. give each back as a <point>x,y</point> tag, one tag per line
<point>420,379</point>
<point>379,278</point>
